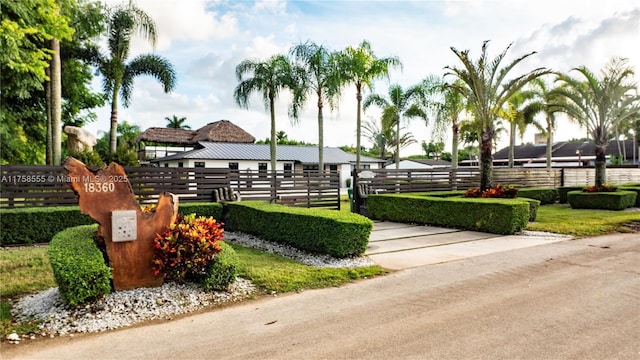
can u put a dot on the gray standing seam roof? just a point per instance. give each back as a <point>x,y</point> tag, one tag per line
<point>242,151</point>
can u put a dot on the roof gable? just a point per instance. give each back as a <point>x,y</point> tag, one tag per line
<point>219,131</point>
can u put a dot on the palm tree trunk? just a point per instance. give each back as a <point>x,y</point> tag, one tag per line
<point>274,141</point>
<point>486,158</point>
<point>549,142</point>
<point>358,122</point>
<point>113,131</point>
<point>47,89</point>
<point>320,133</point>
<point>454,144</point>
<point>56,103</point>
<point>512,142</point>
<point>398,143</point>
<point>601,164</point>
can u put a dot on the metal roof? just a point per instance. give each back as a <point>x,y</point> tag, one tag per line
<point>237,151</point>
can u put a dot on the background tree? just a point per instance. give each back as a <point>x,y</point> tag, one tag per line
<point>360,66</point>
<point>487,90</point>
<point>321,73</point>
<point>378,136</point>
<point>518,113</point>
<point>175,122</point>
<point>602,103</point>
<point>400,103</point>
<point>118,76</point>
<point>268,77</point>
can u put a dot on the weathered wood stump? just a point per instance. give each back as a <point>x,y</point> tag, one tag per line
<point>102,192</point>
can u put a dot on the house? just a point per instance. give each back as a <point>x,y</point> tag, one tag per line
<point>158,142</point>
<point>420,164</point>
<point>563,154</point>
<point>257,157</point>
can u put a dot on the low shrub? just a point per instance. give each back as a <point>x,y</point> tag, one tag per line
<point>546,196</point>
<point>222,271</point>
<point>636,189</point>
<point>187,247</point>
<point>499,216</point>
<point>78,265</point>
<point>444,194</point>
<point>336,233</point>
<point>534,205</point>
<point>601,188</point>
<point>497,191</point>
<point>38,225</point>
<point>206,209</point>
<point>564,190</point>
<point>618,200</point>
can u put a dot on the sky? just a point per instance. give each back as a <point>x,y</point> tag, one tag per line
<point>206,40</point>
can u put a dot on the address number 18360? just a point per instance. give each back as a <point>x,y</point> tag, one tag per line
<point>99,187</point>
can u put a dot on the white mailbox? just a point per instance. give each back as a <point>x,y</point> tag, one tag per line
<point>124,225</point>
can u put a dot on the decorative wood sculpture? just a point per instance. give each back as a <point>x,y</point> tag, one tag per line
<point>106,190</point>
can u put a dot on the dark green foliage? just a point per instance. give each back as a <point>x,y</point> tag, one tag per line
<point>499,216</point>
<point>545,195</point>
<point>89,158</point>
<point>443,194</point>
<point>38,225</point>
<point>336,233</point>
<point>222,271</point>
<point>533,207</point>
<point>618,200</point>
<point>633,188</point>
<point>206,209</point>
<point>78,265</point>
<point>564,190</point>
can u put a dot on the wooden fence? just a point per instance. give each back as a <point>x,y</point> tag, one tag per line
<point>32,186</point>
<point>587,176</point>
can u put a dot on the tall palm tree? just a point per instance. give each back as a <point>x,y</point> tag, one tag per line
<point>269,77</point>
<point>124,22</point>
<point>602,103</point>
<point>401,103</point>
<point>548,102</point>
<point>322,78</point>
<point>175,122</point>
<point>519,115</point>
<point>447,105</point>
<point>487,90</point>
<point>360,66</point>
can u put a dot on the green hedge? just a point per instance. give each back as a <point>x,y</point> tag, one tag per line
<point>499,216</point>
<point>618,200</point>
<point>534,205</point>
<point>564,190</point>
<point>222,271</point>
<point>545,195</point>
<point>38,225</point>
<point>336,233</point>
<point>207,209</point>
<point>636,189</point>
<point>78,265</point>
<point>442,194</point>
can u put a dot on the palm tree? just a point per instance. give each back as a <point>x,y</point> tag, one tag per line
<point>118,75</point>
<point>486,89</point>
<point>361,67</point>
<point>546,101</point>
<point>602,103</point>
<point>447,105</point>
<point>269,78</point>
<point>400,103</point>
<point>378,135</point>
<point>322,79</point>
<point>175,122</point>
<point>519,115</point>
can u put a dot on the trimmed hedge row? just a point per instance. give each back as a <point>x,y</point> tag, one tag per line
<point>544,195</point>
<point>564,190</point>
<point>498,216</point>
<point>318,230</point>
<point>636,189</point>
<point>78,265</point>
<point>39,225</point>
<point>618,200</point>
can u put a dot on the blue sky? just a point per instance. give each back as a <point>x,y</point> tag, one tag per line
<point>205,40</point>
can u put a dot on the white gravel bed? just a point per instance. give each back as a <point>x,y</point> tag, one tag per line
<point>125,308</point>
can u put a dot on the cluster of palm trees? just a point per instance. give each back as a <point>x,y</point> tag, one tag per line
<point>476,95</point>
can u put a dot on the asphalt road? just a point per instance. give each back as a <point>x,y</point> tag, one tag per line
<point>575,299</point>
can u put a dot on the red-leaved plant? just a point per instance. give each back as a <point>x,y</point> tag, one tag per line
<point>603,188</point>
<point>497,191</point>
<point>185,249</point>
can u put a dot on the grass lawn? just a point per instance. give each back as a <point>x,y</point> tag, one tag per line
<point>562,219</point>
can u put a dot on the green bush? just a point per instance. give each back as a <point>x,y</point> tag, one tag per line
<point>443,194</point>
<point>38,225</point>
<point>78,265</point>
<point>636,189</point>
<point>336,233</point>
<point>564,190</point>
<point>206,209</point>
<point>545,195</point>
<point>618,200</point>
<point>222,271</point>
<point>533,207</point>
<point>499,216</point>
